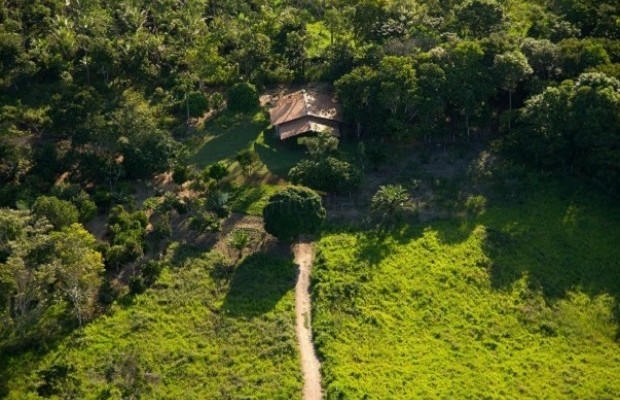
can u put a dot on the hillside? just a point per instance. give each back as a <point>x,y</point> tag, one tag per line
<point>520,302</point>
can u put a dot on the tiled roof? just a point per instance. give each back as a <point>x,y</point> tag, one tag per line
<point>304,104</point>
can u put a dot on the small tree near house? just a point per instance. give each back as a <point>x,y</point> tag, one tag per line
<point>292,212</point>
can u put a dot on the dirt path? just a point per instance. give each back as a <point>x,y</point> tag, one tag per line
<point>311,368</point>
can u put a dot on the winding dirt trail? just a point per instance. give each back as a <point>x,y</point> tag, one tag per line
<point>311,368</point>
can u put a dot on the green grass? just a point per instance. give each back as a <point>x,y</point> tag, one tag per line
<point>223,137</point>
<point>517,303</point>
<point>205,331</point>
<point>251,200</point>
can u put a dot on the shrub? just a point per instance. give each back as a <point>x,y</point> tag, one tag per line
<point>330,175</point>
<point>196,103</point>
<point>389,201</point>
<point>247,159</point>
<point>205,221</point>
<point>60,213</point>
<point>137,285</point>
<point>217,171</point>
<point>243,97</point>
<point>151,271</point>
<point>218,203</point>
<point>292,212</point>
<point>180,174</point>
<point>476,205</point>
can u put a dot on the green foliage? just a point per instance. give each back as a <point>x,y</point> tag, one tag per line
<point>480,18</point>
<point>389,201</point>
<point>242,97</point>
<point>329,174</point>
<point>127,236</point>
<point>60,213</point>
<point>292,212</point>
<point>248,160</point>
<point>519,301</point>
<point>321,145</point>
<point>217,171</point>
<point>197,103</point>
<point>575,125</point>
<point>204,331</point>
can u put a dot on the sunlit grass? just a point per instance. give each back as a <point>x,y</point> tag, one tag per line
<point>202,332</point>
<point>518,303</point>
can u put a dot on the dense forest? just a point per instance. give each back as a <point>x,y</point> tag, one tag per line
<point>97,95</point>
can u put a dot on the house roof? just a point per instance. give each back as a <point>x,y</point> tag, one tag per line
<point>304,104</point>
<point>307,124</point>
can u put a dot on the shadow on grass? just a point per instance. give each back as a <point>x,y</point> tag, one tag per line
<point>279,157</point>
<point>227,135</point>
<point>258,284</point>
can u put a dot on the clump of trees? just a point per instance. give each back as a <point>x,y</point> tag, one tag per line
<point>325,170</point>
<point>575,127</point>
<point>47,275</point>
<point>292,212</point>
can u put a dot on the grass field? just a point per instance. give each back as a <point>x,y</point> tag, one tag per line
<point>521,302</point>
<point>203,332</point>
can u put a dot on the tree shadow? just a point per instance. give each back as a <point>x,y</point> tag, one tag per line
<point>258,284</point>
<point>563,245</point>
<point>227,138</point>
<point>279,157</point>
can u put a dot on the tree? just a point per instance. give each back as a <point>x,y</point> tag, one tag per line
<point>292,212</point>
<point>575,126</point>
<point>329,174</point>
<point>397,89</point>
<point>242,97</point>
<point>60,213</point>
<point>357,92</point>
<point>217,171</point>
<point>79,268</point>
<point>430,99</point>
<point>467,81</point>
<point>479,18</point>
<point>511,68</point>
<point>543,56</point>
<point>248,160</point>
<point>321,145</point>
<point>389,201</point>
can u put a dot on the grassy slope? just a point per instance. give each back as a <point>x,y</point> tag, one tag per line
<point>200,333</point>
<point>517,303</point>
<point>228,134</point>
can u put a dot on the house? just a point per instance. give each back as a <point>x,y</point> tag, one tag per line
<point>305,112</point>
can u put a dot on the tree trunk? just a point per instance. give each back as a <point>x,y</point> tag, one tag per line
<point>509,109</point>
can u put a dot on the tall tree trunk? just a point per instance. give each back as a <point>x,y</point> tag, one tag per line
<point>509,109</point>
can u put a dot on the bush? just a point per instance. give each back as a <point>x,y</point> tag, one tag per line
<point>60,213</point>
<point>389,201</point>
<point>476,205</point>
<point>205,221</point>
<point>247,159</point>
<point>218,203</point>
<point>197,103</point>
<point>151,271</point>
<point>292,212</point>
<point>243,97</point>
<point>330,175</point>
<point>217,171</point>
<point>137,285</point>
<point>180,174</point>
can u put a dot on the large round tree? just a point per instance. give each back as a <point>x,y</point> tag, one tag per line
<point>292,212</point>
